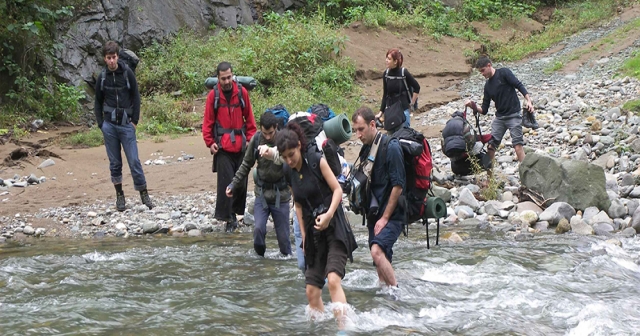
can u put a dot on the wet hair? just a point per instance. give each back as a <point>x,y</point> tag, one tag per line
<point>268,120</point>
<point>396,55</point>
<point>366,114</point>
<point>110,48</point>
<point>482,62</point>
<point>289,137</point>
<point>223,66</point>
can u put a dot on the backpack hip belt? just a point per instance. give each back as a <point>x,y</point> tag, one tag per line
<point>116,115</point>
<point>277,186</point>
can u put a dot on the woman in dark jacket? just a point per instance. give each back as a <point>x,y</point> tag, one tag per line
<point>326,235</point>
<point>398,84</point>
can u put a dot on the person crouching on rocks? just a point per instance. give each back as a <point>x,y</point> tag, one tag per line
<point>326,234</point>
<point>271,188</point>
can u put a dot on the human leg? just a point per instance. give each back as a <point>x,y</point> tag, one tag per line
<point>407,115</point>
<point>130,146</point>
<point>297,234</point>
<point>113,146</point>
<point>239,199</point>
<point>281,222</point>
<point>261,216</point>
<point>517,138</point>
<point>225,172</point>
<point>381,247</point>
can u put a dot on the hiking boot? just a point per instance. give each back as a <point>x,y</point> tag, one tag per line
<point>146,200</point>
<point>231,225</point>
<point>120,202</point>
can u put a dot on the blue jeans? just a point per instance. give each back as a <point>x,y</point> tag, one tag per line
<point>407,115</point>
<point>298,241</point>
<point>280,221</point>
<point>117,138</point>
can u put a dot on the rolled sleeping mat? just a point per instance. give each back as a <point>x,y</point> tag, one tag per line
<point>247,82</point>
<point>436,208</point>
<point>338,128</point>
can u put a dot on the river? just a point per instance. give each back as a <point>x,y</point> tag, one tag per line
<point>216,285</point>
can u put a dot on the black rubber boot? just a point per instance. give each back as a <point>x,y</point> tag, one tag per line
<point>260,249</point>
<point>120,202</point>
<point>146,200</point>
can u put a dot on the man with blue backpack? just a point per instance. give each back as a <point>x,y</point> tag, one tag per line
<point>227,127</point>
<point>117,110</point>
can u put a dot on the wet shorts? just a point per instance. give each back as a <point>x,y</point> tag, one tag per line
<point>335,261</point>
<point>386,238</point>
<point>499,127</point>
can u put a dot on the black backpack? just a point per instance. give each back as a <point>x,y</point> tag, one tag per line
<point>458,136</point>
<point>403,78</point>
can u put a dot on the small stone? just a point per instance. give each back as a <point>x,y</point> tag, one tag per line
<point>28,230</point>
<point>97,221</point>
<point>194,233</point>
<point>614,241</point>
<point>46,163</point>
<point>121,227</point>
<point>563,226</point>
<point>91,214</point>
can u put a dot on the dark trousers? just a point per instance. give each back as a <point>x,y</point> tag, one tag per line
<point>280,221</point>
<point>116,139</point>
<point>226,166</point>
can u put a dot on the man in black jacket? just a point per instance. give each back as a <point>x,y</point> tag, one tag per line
<point>117,110</point>
<point>501,87</point>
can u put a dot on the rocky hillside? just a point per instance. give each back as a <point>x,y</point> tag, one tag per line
<point>137,23</point>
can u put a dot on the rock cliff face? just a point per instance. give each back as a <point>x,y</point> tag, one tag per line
<point>137,23</point>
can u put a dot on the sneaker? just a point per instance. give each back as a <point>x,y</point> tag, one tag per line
<point>146,200</point>
<point>120,202</point>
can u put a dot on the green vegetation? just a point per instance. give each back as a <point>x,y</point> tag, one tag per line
<point>91,138</point>
<point>631,67</point>
<point>26,55</point>
<point>633,106</point>
<point>294,67</point>
<point>567,20</point>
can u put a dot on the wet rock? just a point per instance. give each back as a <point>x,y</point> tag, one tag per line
<point>443,193</point>
<point>150,227</point>
<point>580,227</point>
<point>628,233</point>
<point>529,217</point>
<point>617,209</point>
<point>528,205</point>
<point>541,226</point>
<point>614,241</point>
<point>523,236</point>
<point>28,230</point>
<point>451,237</point>
<point>467,198</point>
<point>578,183</point>
<point>601,217</point>
<point>557,211</point>
<point>470,222</point>
<point>603,229</point>
<point>194,233</point>
<point>465,210</point>
<point>189,226</point>
<point>563,226</point>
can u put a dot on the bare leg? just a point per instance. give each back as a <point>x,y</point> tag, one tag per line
<point>492,154</point>
<point>337,296</point>
<point>315,299</point>
<point>385,271</point>
<point>519,152</point>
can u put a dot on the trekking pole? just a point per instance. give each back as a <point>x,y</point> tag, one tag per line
<point>437,231</point>
<point>427,225</point>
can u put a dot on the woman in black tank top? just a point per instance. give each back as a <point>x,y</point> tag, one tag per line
<point>327,242</point>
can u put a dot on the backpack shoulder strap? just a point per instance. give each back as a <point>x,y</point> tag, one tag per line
<point>103,76</point>
<point>240,94</point>
<point>216,100</point>
<point>404,80</point>
<point>313,160</point>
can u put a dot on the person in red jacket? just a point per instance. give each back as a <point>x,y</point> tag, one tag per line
<point>227,127</point>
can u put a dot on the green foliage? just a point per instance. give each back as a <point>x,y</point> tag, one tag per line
<point>161,114</point>
<point>567,20</point>
<point>26,31</point>
<point>631,67</point>
<point>553,67</point>
<point>294,67</point>
<point>633,106</point>
<point>91,138</point>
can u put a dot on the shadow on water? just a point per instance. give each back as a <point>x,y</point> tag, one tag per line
<point>488,284</point>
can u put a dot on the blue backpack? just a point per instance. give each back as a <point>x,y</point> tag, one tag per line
<point>281,113</point>
<point>322,110</point>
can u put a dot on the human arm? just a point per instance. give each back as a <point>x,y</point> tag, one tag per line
<point>98,101</point>
<point>208,122</point>
<point>247,113</point>
<point>413,85</point>
<point>397,177</point>
<point>298,208</point>
<point>383,103</point>
<point>135,97</point>
<point>248,162</point>
<point>322,221</point>
<point>270,153</point>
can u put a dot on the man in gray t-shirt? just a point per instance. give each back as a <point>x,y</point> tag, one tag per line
<point>501,87</point>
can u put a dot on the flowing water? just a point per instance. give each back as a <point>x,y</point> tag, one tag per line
<point>216,285</point>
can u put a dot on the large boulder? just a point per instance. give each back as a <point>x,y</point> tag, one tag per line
<point>578,183</point>
<point>138,23</point>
